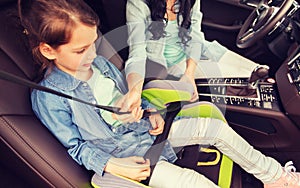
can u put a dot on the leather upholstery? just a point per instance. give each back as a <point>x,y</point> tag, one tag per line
<point>28,150</point>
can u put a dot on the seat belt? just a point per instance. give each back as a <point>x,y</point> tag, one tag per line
<point>154,151</point>
<point>156,148</point>
<point>21,81</point>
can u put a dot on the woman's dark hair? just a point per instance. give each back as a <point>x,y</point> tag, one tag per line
<point>52,22</point>
<point>158,10</point>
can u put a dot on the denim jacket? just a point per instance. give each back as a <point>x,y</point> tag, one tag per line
<point>141,46</point>
<point>79,127</point>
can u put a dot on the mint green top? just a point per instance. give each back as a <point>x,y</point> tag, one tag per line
<point>173,51</point>
<point>142,47</point>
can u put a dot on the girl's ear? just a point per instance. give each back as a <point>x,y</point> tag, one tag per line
<point>47,51</point>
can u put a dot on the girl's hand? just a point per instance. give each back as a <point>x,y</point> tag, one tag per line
<point>190,79</point>
<point>135,168</point>
<point>157,123</point>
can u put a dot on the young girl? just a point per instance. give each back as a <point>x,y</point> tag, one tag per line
<point>62,35</point>
<point>168,32</point>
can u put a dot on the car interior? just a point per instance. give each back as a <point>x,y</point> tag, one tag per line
<point>268,117</point>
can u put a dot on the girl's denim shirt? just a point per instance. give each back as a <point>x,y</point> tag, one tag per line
<point>141,46</point>
<point>79,127</point>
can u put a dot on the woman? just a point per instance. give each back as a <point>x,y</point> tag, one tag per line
<point>168,32</point>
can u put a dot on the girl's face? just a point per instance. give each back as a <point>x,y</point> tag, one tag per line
<point>77,56</point>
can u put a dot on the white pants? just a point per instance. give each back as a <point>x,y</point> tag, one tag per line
<point>208,131</point>
<point>231,65</point>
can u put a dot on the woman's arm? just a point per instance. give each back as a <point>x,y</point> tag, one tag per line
<point>136,20</point>
<point>189,76</point>
<point>133,97</point>
<point>136,64</point>
<point>194,46</point>
<point>198,47</point>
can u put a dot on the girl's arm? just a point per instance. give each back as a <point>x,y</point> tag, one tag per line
<point>56,116</point>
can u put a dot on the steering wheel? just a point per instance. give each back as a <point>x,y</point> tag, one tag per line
<point>261,21</point>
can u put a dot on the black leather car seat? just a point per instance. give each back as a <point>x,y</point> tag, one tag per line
<point>29,155</point>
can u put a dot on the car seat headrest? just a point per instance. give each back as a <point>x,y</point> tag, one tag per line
<point>14,42</point>
<point>6,2</point>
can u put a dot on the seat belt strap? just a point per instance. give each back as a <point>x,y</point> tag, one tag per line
<point>21,81</point>
<point>172,110</point>
<point>154,151</point>
<point>225,173</point>
<point>160,141</point>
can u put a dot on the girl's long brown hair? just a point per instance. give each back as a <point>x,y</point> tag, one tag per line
<point>52,22</point>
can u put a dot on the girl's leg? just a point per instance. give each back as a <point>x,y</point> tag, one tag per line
<point>208,131</point>
<point>167,175</point>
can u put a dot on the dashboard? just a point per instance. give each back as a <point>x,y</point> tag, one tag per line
<point>281,94</point>
<point>234,91</point>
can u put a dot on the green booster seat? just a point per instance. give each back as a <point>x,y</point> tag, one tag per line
<point>167,95</point>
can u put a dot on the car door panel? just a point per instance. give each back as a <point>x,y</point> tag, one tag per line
<point>222,20</point>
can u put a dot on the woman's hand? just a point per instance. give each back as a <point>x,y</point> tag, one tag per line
<point>135,168</point>
<point>190,79</point>
<point>157,123</point>
<point>131,100</point>
<point>135,110</point>
<point>134,116</point>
